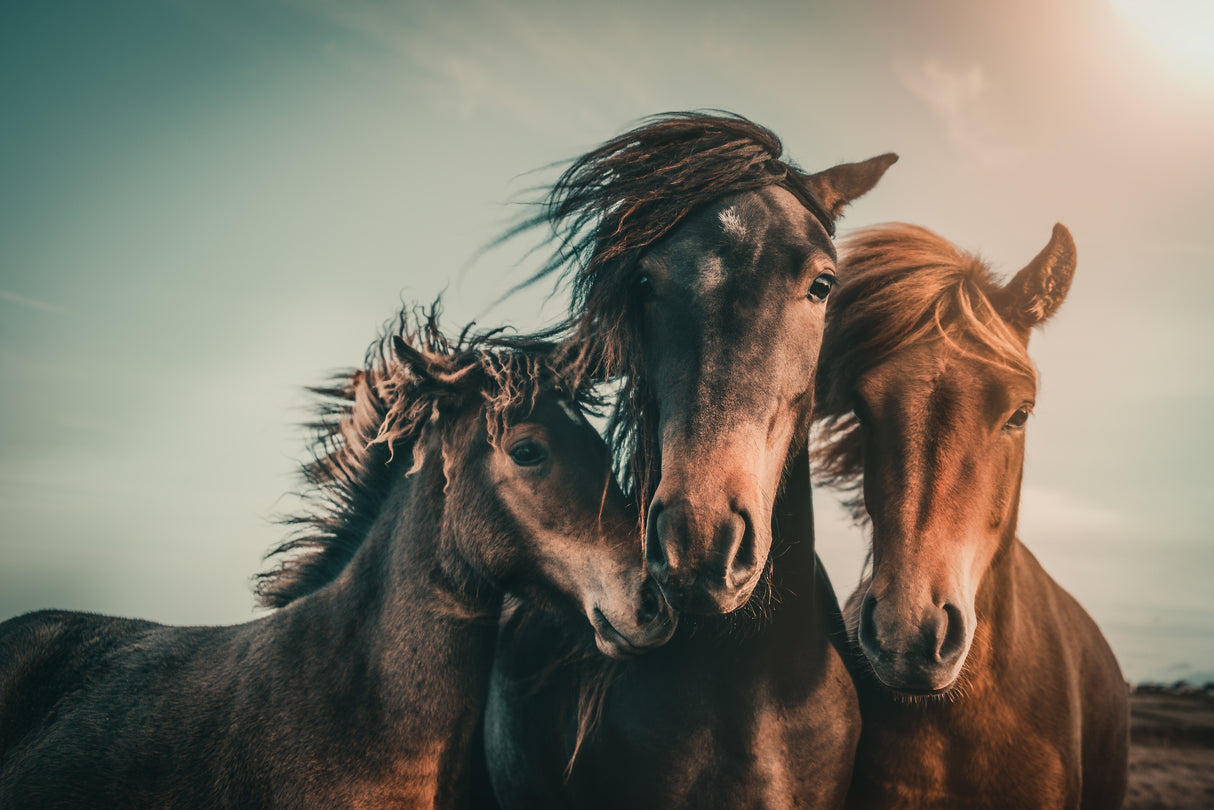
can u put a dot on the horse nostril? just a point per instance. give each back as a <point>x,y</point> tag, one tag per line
<point>868,625</point>
<point>952,640</point>
<point>655,555</point>
<point>742,565</point>
<point>651,603</point>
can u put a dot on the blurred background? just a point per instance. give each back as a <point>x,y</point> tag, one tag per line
<point>207,205</point>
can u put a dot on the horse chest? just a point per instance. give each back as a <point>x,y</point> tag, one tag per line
<point>737,739</point>
<point>988,759</point>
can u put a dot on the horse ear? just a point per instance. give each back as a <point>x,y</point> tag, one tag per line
<point>1037,291</point>
<point>838,186</point>
<point>410,358</point>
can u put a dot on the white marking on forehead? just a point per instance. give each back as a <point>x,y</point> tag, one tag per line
<point>732,224</point>
<point>570,410</point>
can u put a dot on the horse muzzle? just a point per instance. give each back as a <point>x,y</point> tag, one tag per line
<point>629,632</point>
<point>914,651</point>
<point>705,561</point>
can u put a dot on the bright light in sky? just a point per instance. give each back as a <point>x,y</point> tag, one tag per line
<point>1182,31</point>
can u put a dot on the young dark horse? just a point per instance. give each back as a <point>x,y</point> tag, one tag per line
<point>982,682</point>
<point>702,264</point>
<point>365,689</point>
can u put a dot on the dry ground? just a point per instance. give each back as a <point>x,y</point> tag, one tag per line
<point>1171,752</point>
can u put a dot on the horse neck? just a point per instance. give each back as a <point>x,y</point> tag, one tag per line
<point>803,603</point>
<point>1001,608</point>
<point>794,557</point>
<point>392,634</point>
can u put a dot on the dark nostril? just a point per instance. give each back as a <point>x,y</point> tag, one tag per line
<point>952,640</point>
<point>655,555</point>
<point>742,566</point>
<point>868,625</point>
<point>651,603</point>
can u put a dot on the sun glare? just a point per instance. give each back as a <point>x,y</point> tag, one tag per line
<point>1180,31</point>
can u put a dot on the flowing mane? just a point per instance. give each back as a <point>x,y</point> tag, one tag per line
<point>615,202</point>
<point>372,417</point>
<point>899,285</point>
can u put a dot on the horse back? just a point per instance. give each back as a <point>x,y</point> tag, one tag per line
<point>86,712</point>
<point>44,656</point>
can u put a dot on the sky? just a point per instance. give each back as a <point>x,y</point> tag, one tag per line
<point>206,206</point>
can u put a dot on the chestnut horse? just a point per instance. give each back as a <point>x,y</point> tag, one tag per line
<point>702,262</point>
<point>982,682</point>
<point>445,474</point>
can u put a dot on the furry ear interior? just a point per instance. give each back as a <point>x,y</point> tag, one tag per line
<point>1038,290</point>
<point>838,186</point>
<point>410,358</point>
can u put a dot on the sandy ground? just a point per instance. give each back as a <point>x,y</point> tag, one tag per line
<point>1171,751</point>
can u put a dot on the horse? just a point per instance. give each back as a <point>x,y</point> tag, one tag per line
<point>701,263</point>
<point>982,682</point>
<point>446,473</point>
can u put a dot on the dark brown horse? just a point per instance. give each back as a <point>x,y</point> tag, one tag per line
<point>982,682</point>
<point>446,474</point>
<point>702,263</point>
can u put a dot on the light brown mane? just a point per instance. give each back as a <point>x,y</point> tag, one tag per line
<point>900,285</point>
<point>369,425</point>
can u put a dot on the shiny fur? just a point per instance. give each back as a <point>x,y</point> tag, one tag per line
<point>365,688</point>
<point>982,683</point>
<point>713,325</point>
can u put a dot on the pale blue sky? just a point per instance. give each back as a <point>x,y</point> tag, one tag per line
<point>205,206</point>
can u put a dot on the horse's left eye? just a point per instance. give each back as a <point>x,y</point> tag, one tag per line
<point>528,453</point>
<point>821,287</point>
<point>1017,420</point>
<point>645,286</point>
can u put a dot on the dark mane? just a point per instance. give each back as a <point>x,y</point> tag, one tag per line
<point>370,421</point>
<point>899,285</point>
<point>615,202</point>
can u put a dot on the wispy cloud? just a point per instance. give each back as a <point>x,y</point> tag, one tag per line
<point>471,62</point>
<point>31,303</point>
<point>956,97</point>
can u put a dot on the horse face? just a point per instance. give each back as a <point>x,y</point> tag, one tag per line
<point>943,437</point>
<point>942,426</point>
<point>575,545</point>
<point>732,321</point>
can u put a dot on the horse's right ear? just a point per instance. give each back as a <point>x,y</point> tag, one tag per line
<point>1037,291</point>
<point>838,186</point>
<point>410,358</point>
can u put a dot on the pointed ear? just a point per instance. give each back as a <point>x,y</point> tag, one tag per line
<point>838,186</point>
<point>410,358</point>
<point>1038,290</point>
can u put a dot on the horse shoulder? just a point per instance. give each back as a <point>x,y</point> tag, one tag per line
<point>1097,694</point>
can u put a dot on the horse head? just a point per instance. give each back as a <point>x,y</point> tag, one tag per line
<point>530,501</point>
<point>702,266</point>
<point>940,404</point>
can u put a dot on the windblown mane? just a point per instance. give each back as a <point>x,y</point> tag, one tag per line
<point>369,423</point>
<point>900,285</point>
<point>614,203</point>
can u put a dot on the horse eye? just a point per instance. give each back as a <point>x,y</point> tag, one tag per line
<point>528,453</point>
<point>859,411</point>
<point>644,286</point>
<point>1017,420</point>
<point>821,287</point>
